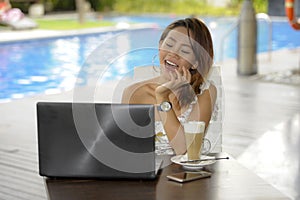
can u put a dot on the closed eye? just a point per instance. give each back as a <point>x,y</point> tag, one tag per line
<point>169,45</point>
<point>186,49</point>
<point>185,52</point>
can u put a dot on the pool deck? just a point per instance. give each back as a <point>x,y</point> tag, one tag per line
<point>261,118</point>
<point>21,35</point>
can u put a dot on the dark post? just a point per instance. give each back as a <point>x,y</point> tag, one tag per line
<point>247,40</point>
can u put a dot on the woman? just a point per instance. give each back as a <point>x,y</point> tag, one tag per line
<point>182,91</point>
<point>9,14</point>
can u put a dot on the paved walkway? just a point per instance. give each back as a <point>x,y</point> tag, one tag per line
<point>262,124</point>
<point>253,108</point>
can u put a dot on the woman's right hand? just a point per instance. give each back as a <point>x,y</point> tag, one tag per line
<point>177,81</point>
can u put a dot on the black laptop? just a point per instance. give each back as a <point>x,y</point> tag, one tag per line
<point>96,140</point>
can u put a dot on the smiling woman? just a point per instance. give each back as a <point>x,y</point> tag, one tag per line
<point>185,58</point>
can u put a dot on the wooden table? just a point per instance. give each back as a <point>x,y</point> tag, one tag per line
<point>229,180</point>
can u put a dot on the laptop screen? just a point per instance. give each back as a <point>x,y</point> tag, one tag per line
<point>96,140</point>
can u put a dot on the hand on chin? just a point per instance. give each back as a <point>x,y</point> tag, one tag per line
<point>169,73</point>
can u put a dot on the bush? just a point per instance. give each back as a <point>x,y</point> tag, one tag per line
<point>199,7</point>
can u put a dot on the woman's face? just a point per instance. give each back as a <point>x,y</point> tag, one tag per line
<point>176,52</point>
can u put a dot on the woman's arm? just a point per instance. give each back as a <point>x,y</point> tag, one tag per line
<point>172,125</point>
<point>137,93</point>
<point>126,95</point>
<point>203,110</point>
<point>8,5</point>
<point>173,128</point>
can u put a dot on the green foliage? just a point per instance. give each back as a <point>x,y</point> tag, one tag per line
<point>197,7</point>
<point>102,5</point>
<point>140,6</point>
<point>260,5</point>
<point>63,5</point>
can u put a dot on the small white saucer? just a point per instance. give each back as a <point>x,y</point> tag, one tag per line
<point>192,166</point>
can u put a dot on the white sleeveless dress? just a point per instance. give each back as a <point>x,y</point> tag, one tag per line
<point>162,145</point>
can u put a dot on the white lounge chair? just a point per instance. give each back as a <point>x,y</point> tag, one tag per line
<point>15,19</point>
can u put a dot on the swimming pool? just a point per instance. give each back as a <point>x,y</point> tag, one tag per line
<point>52,65</point>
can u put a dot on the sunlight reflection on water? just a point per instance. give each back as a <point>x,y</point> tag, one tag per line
<point>52,65</point>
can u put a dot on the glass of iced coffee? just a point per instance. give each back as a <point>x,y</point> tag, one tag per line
<point>194,136</point>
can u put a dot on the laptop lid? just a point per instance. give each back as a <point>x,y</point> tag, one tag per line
<point>96,140</point>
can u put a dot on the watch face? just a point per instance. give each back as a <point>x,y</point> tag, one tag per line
<point>165,106</point>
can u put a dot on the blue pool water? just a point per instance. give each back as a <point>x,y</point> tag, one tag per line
<point>52,65</point>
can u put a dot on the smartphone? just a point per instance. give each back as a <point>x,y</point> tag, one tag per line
<point>188,176</point>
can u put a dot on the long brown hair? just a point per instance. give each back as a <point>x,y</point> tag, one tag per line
<point>203,52</point>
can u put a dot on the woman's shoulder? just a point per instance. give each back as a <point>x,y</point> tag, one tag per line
<point>209,90</point>
<point>139,89</point>
<point>139,85</point>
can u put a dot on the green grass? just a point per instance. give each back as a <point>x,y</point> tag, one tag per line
<point>70,24</point>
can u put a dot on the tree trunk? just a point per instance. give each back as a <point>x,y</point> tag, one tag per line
<point>80,10</point>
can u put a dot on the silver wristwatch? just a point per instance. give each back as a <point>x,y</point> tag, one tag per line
<point>165,106</point>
